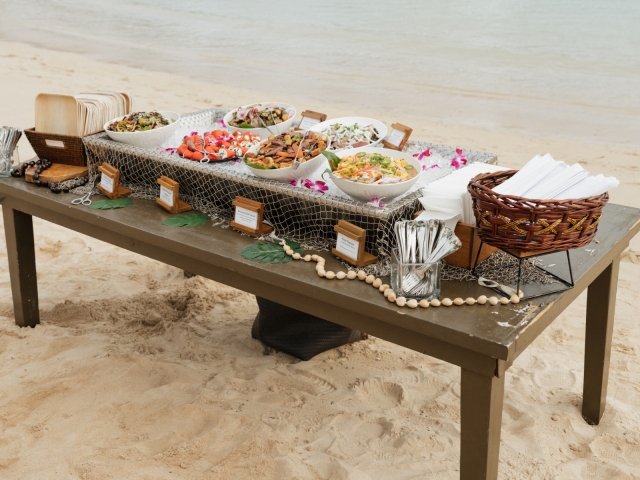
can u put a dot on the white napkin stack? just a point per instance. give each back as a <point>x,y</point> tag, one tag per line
<point>447,199</point>
<point>548,179</point>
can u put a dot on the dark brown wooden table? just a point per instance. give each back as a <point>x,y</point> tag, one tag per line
<point>482,343</point>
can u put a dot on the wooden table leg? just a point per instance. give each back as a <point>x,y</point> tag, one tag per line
<point>481,400</point>
<point>601,305</point>
<point>18,229</point>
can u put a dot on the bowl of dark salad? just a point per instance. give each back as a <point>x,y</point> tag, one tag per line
<point>264,119</point>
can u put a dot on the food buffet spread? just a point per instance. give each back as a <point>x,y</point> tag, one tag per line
<point>254,169</point>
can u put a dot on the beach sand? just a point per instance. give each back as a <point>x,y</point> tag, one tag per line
<point>138,372</point>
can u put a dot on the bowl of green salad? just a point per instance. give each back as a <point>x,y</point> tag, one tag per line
<point>143,129</point>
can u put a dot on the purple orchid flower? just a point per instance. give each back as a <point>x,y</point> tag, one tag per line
<point>170,150</point>
<point>377,202</point>
<point>459,160</point>
<point>421,155</point>
<point>317,186</point>
<point>429,167</point>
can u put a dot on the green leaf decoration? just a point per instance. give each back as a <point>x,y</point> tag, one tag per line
<point>334,160</point>
<point>245,125</point>
<point>191,219</point>
<point>254,165</point>
<point>270,252</point>
<point>123,202</point>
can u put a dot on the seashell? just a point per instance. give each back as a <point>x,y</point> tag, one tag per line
<point>400,301</point>
<point>314,258</point>
<point>383,288</point>
<point>482,299</point>
<point>520,293</point>
<point>289,252</point>
<point>424,303</point>
<point>361,275</point>
<point>493,300</point>
<point>340,275</point>
<point>392,296</point>
<point>470,301</point>
<point>320,260</point>
<point>296,256</point>
<point>412,303</point>
<point>435,302</point>
<point>369,279</point>
<point>321,272</point>
<point>282,242</point>
<point>351,275</point>
<point>377,282</point>
<point>388,292</point>
<point>515,299</point>
<point>307,258</point>
<point>330,275</point>
<point>458,301</point>
<point>319,267</point>
<point>447,302</point>
<point>504,300</point>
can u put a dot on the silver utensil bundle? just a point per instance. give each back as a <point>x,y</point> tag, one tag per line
<point>421,245</point>
<point>9,137</point>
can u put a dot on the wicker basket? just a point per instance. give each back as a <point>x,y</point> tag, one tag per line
<point>57,148</point>
<point>531,226</point>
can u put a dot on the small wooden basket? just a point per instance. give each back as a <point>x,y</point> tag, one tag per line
<point>63,149</point>
<point>526,226</point>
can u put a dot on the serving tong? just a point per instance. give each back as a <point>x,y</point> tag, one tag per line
<point>421,244</point>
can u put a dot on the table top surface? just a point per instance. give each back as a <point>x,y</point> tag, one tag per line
<point>501,332</point>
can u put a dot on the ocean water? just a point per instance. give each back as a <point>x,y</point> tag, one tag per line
<point>510,64</point>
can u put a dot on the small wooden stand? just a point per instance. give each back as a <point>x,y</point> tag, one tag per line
<point>169,196</point>
<point>398,137</point>
<point>350,244</point>
<point>110,183</point>
<point>309,119</point>
<point>248,217</point>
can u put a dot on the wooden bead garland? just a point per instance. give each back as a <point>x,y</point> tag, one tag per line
<point>388,292</point>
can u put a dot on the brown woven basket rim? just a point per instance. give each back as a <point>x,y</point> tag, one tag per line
<point>473,183</point>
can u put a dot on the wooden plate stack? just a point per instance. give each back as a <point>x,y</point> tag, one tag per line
<point>62,121</point>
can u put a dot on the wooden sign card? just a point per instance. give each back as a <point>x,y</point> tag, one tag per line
<point>350,245</point>
<point>110,182</point>
<point>169,196</point>
<point>248,217</point>
<point>398,137</point>
<point>309,119</point>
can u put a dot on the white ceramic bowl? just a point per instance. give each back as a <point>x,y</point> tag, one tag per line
<point>264,132</point>
<point>288,174</point>
<point>363,121</point>
<point>148,138</point>
<point>365,192</point>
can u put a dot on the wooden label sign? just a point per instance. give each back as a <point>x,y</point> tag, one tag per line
<point>110,182</point>
<point>309,119</point>
<point>398,136</point>
<point>350,244</point>
<point>169,196</point>
<point>248,217</point>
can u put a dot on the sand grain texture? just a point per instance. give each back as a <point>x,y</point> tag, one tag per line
<point>142,373</point>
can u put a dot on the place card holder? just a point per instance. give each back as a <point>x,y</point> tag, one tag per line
<point>398,137</point>
<point>350,245</point>
<point>248,217</point>
<point>110,182</point>
<point>309,119</point>
<point>169,196</point>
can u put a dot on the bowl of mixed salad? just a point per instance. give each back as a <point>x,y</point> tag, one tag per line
<point>351,132</point>
<point>143,129</point>
<point>366,173</point>
<point>264,119</point>
<point>289,156</point>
